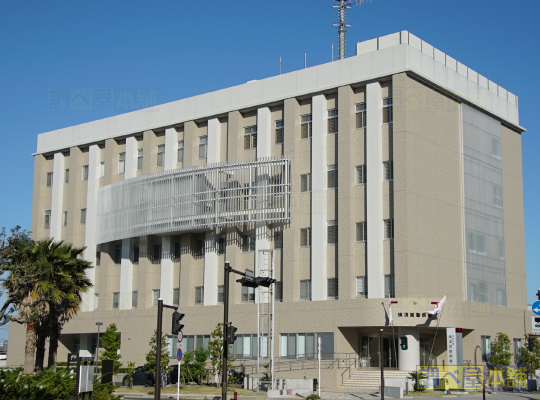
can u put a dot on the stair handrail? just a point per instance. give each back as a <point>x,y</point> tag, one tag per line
<point>351,362</point>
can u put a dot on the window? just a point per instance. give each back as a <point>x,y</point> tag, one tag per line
<point>76,346</point>
<point>388,228</point>
<point>199,295</point>
<point>83,216</point>
<point>332,288</point>
<point>177,250</point>
<point>161,155</point>
<point>361,115</point>
<point>332,121</point>
<point>501,249</point>
<point>49,179</point>
<point>360,174</point>
<point>517,350</point>
<point>250,137</point>
<point>278,240</point>
<point>85,172</point>
<point>332,177</point>
<point>278,287</point>
<point>248,243</point>
<point>388,112</point>
<point>501,297</point>
<point>496,148</point>
<point>361,286</point>
<point>486,348</point>
<point>361,231</point>
<point>66,176</point>
<point>98,256</point>
<point>248,295</point>
<point>305,125</point>
<point>305,289</point>
<point>497,196</point>
<point>389,289</point>
<point>221,244</point>
<point>305,183</point>
<point>64,218</point>
<point>388,170</point>
<point>116,296</point>
<point>155,297</point>
<point>136,254</point>
<point>332,232</point>
<point>180,155</point>
<point>305,237</point>
<point>134,299</point>
<point>139,159</point>
<point>203,143</point>
<point>118,253</point>
<point>176,296</point>
<point>220,294</point>
<point>279,131</point>
<point>157,252</point>
<point>199,248</point>
<point>121,163</point>
<point>47,224</point>
<point>96,301</point>
<point>476,243</point>
<point>101,169</point>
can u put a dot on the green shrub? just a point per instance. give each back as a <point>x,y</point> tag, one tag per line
<point>313,397</point>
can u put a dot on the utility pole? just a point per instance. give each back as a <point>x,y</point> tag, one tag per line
<point>381,362</point>
<point>157,383</point>
<point>225,324</point>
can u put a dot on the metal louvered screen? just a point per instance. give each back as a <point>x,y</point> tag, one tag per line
<point>484,228</point>
<point>204,197</point>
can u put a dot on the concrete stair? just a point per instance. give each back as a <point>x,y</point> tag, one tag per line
<point>369,379</point>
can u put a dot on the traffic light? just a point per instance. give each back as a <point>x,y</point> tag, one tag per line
<point>532,343</point>
<point>264,281</point>
<point>404,345</point>
<point>231,334</point>
<point>249,282</point>
<point>176,325</point>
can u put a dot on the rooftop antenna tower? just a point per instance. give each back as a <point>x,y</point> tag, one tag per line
<point>342,6</point>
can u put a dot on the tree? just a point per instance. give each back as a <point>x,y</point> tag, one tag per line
<point>150,365</point>
<point>215,346</point>
<point>194,364</point>
<point>500,351</point>
<point>130,370</point>
<point>111,344</point>
<point>530,357</point>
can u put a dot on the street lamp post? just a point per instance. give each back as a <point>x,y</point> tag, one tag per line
<point>97,347</point>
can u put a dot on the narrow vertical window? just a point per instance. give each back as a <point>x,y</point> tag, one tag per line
<point>220,293</point>
<point>49,179</point>
<point>161,155</point>
<point>332,288</point>
<point>279,131</point>
<point>250,137</point>
<point>496,148</point>
<point>361,114</point>
<point>278,240</point>
<point>305,237</point>
<point>361,231</point>
<point>134,299</point>
<point>388,170</point>
<point>360,286</point>
<point>136,254</point>
<point>118,253</point>
<point>116,296</point>
<point>248,243</point>
<point>177,250</point>
<point>85,172</point>
<point>47,224</point>
<point>96,301</point>
<point>497,196</point>
<point>332,232</point>
<point>203,145</point>
<point>102,169</point>
<point>305,183</point>
<point>388,112</point>
<point>360,174</point>
<point>389,289</point>
<point>139,159</point>
<point>332,177</point>
<point>388,228</point>
<point>64,218</point>
<point>247,294</point>
<point>486,348</point>
<point>199,295</point>
<point>176,296</point>
<point>157,252</point>
<point>305,289</point>
<point>332,121</point>
<point>278,287</point>
<point>221,244</point>
<point>121,163</point>
<point>180,155</point>
<point>306,127</point>
<point>98,255</point>
<point>155,297</point>
<point>66,176</point>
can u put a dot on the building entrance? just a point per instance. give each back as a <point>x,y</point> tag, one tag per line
<point>370,353</point>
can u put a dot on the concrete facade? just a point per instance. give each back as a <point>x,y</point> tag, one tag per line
<point>424,256</point>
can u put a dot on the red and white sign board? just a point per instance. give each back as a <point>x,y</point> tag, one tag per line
<point>180,337</point>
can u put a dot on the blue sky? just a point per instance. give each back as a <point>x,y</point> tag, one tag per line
<point>183,48</point>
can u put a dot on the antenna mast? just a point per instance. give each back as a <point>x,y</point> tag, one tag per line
<point>342,25</point>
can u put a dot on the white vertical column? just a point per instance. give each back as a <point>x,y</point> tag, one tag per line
<point>264,143</point>
<point>126,265</point>
<point>319,178</point>
<point>57,196</point>
<point>374,192</point>
<point>167,270</point>
<point>91,221</point>
<point>409,359</point>
<point>210,254</point>
<point>171,148</point>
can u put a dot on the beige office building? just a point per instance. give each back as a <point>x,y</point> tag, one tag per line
<point>395,173</point>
